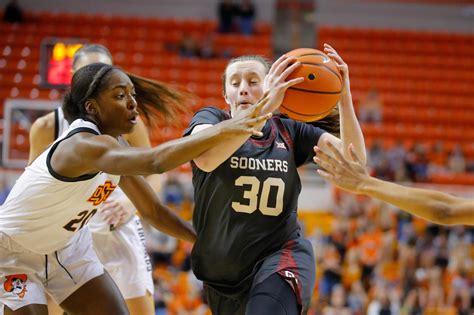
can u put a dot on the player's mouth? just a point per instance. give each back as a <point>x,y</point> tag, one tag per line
<point>133,119</point>
<point>245,104</point>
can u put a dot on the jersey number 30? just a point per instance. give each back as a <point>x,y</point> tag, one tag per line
<point>253,197</point>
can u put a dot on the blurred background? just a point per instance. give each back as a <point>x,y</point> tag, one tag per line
<point>412,76</point>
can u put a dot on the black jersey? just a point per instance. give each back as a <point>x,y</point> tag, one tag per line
<point>245,209</point>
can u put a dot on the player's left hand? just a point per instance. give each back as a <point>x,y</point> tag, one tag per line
<point>341,65</point>
<point>275,84</point>
<point>116,212</point>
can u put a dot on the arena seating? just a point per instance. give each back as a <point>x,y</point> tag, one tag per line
<point>425,79</point>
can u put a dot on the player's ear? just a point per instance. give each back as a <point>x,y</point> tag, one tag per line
<point>91,107</point>
<point>225,98</point>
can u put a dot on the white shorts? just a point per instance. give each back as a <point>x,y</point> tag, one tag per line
<point>124,256</point>
<point>26,276</point>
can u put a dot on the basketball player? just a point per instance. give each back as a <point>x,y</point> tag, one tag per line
<point>249,250</point>
<point>117,231</point>
<point>43,245</point>
<point>351,175</point>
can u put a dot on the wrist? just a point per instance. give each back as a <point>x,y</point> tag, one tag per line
<point>367,185</point>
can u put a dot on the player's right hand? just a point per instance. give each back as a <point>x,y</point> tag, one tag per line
<point>248,121</point>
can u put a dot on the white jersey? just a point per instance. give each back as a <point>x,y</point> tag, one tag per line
<point>121,250</point>
<point>45,209</point>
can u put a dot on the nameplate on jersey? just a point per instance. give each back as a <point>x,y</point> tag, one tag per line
<point>245,163</point>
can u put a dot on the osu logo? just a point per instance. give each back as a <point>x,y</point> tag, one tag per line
<point>16,284</point>
<point>102,193</point>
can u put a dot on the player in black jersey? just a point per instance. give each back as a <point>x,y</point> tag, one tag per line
<point>249,250</point>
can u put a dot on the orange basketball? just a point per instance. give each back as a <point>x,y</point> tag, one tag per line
<point>318,94</point>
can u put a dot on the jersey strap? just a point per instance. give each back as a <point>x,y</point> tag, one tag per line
<point>56,123</point>
<point>53,148</point>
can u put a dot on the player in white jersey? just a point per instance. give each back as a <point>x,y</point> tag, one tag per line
<point>43,246</point>
<point>117,231</point>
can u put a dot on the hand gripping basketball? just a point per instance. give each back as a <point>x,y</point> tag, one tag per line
<point>276,84</point>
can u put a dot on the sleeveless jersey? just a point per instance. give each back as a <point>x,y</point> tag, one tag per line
<point>245,210</point>
<point>45,209</point>
<point>96,224</point>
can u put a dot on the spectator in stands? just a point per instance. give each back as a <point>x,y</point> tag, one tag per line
<point>226,13</point>
<point>246,13</point>
<point>376,154</point>
<point>456,160</point>
<point>437,158</point>
<point>13,12</point>
<point>208,49</point>
<point>384,302</point>
<point>370,110</point>
<point>337,303</point>
<point>331,270</point>
<point>357,298</point>
<point>396,158</point>
<point>188,47</point>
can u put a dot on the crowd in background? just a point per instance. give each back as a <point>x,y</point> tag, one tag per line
<point>375,260</point>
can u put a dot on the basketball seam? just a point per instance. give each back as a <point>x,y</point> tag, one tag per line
<point>286,108</point>
<point>311,91</point>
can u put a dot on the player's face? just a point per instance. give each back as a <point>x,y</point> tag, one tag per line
<point>90,58</point>
<point>117,108</point>
<point>244,84</point>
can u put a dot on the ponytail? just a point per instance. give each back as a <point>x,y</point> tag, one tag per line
<point>157,100</point>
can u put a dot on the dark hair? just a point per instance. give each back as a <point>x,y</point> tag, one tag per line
<point>87,49</point>
<point>264,61</point>
<point>159,100</point>
<point>330,123</point>
<point>155,99</point>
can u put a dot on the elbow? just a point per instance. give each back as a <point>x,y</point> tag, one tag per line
<point>443,214</point>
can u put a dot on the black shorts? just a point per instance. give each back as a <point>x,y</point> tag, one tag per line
<point>293,265</point>
<point>273,296</point>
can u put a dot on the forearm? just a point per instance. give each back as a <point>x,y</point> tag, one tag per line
<point>351,131</point>
<point>428,204</point>
<point>165,220</point>
<point>174,153</point>
<point>215,156</point>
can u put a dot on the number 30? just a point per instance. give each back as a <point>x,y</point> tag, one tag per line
<point>252,195</point>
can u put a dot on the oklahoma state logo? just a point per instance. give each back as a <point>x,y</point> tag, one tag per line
<point>102,193</point>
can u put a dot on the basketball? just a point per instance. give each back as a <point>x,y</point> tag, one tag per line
<point>318,94</point>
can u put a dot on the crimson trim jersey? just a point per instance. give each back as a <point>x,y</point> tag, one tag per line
<point>245,211</point>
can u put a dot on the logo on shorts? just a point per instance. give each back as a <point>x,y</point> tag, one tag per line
<point>102,193</point>
<point>16,284</point>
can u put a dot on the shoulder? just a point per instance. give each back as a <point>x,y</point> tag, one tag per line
<point>44,123</point>
<point>210,111</point>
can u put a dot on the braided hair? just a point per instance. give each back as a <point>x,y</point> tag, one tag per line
<point>86,83</point>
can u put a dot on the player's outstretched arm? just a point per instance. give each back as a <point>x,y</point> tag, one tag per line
<point>351,131</point>
<point>87,153</point>
<point>351,175</point>
<point>153,211</point>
